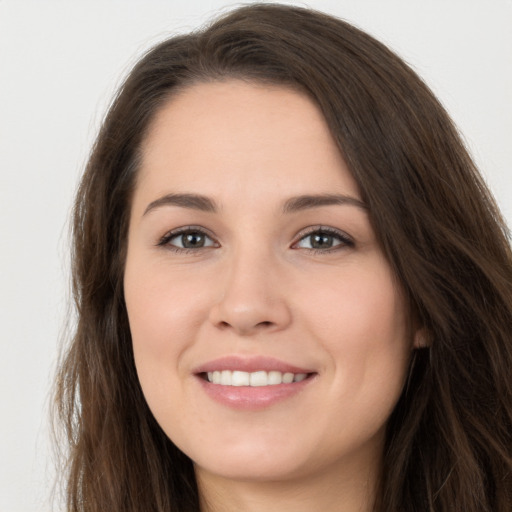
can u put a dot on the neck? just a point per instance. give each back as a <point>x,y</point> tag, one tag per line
<point>335,490</point>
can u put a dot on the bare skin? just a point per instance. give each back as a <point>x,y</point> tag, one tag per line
<point>249,245</point>
<point>330,491</point>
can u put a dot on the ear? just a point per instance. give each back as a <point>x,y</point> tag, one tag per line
<point>420,339</point>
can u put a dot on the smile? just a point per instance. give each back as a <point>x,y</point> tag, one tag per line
<point>252,383</point>
<point>254,379</point>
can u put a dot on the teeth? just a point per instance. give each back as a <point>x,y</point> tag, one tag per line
<point>237,378</point>
<point>287,378</point>
<point>253,379</point>
<point>258,379</point>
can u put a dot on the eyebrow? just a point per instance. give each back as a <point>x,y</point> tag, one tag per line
<point>294,204</point>
<point>305,202</point>
<point>192,201</point>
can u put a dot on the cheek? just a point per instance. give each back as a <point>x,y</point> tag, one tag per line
<point>163,314</point>
<point>362,307</point>
<point>362,324</point>
<point>161,307</point>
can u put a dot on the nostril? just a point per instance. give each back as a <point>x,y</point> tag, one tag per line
<point>264,324</point>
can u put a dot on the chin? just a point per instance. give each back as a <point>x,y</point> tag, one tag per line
<point>252,461</point>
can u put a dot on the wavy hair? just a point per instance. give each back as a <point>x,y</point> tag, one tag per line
<point>449,439</point>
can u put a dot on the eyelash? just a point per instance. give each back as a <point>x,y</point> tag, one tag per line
<point>343,238</point>
<point>165,240</point>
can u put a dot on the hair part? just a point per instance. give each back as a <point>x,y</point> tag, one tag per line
<point>449,440</point>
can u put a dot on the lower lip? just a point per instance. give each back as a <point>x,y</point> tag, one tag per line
<point>251,398</point>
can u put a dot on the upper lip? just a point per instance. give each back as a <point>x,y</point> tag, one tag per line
<point>249,364</point>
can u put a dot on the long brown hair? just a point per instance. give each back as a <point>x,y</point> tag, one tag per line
<point>449,441</point>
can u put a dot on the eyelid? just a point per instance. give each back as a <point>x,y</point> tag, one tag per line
<point>164,240</point>
<point>346,239</point>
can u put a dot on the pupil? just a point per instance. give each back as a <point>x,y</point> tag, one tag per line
<point>191,240</point>
<point>321,241</point>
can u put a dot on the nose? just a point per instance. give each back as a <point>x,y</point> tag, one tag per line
<point>251,298</point>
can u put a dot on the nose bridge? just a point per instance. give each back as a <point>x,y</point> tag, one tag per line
<point>250,299</point>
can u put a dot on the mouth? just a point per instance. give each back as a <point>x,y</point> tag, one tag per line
<point>252,383</point>
<point>260,378</point>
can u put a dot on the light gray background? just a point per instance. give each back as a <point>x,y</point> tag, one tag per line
<point>60,62</point>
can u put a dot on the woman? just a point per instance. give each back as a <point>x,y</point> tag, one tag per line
<point>294,289</point>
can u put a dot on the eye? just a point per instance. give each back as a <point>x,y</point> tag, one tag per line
<point>324,239</point>
<point>187,239</point>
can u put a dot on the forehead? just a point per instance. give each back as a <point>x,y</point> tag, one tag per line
<point>236,137</point>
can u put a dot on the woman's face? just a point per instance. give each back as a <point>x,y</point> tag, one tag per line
<point>270,337</point>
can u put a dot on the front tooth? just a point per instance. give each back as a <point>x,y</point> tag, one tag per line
<point>274,378</point>
<point>239,379</point>
<point>287,378</point>
<point>254,379</point>
<point>225,378</point>
<point>258,379</point>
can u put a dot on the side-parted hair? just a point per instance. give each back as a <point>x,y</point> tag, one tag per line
<point>449,440</point>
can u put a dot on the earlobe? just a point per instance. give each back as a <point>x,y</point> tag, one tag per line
<point>420,339</point>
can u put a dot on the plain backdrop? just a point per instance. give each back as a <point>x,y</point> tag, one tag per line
<point>60,62</point>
